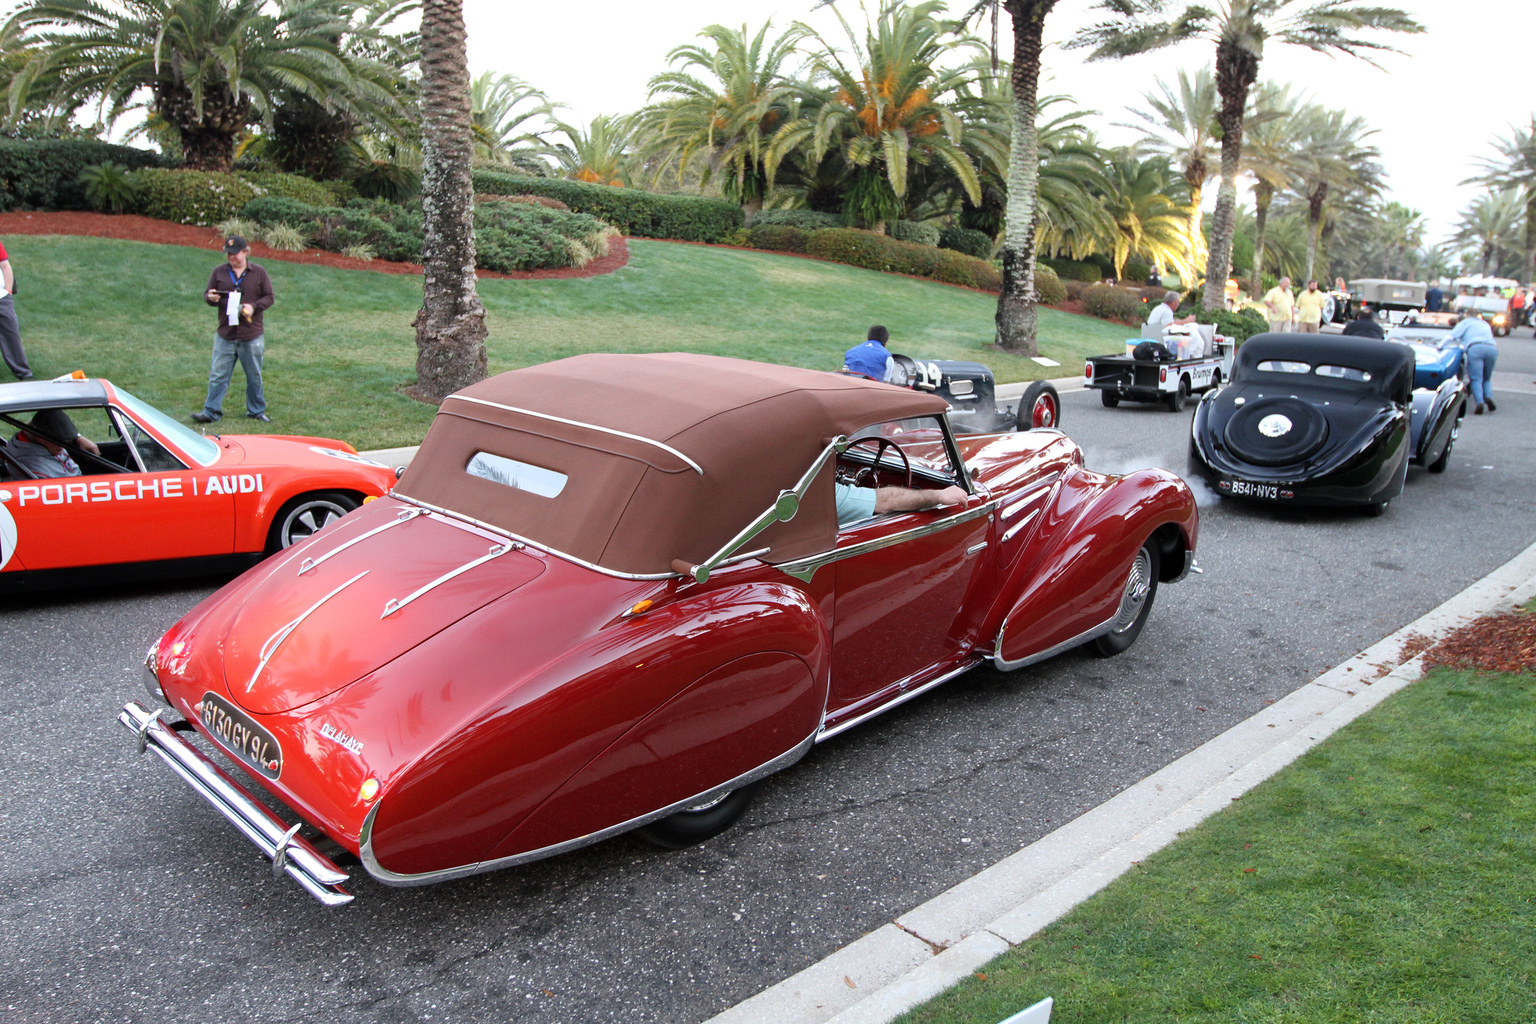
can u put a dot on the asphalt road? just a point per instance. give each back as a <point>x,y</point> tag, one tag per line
<point>123,898</point>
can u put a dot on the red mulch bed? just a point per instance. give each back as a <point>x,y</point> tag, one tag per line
<point>144,229</point>
<point>1497,643</point>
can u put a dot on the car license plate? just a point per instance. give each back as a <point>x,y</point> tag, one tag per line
<point>241,735</point>
<point>1249,489</point>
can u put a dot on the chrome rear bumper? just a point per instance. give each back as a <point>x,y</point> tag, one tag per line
<point>275,838</point>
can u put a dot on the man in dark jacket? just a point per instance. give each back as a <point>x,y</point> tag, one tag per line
<point>240,291</point>
<point>1364,325</point>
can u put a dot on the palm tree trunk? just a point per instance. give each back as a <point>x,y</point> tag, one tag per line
<point>450,326</point>
<point>1263,195</point>
<point>1197,250</point>
<point>1236,71</point>
<point>1315,200</point>
<point>1018,313</point>
<point>1530,234</point>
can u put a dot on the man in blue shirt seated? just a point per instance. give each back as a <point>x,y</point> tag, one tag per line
<point>855,503</point>
<point>1482,351</point>
<point>872,359</point>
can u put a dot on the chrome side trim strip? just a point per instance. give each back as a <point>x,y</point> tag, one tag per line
<point>388,877</point>
<point>1014,507</point>
<point>804,568</point>
<point>404,515</point>
<point>842,727</point>
<point>284,632</point>
<point>590,426</point>
<point>395,604</point>
<point>1016,527</point>
<point>1050,652</point>
<point>290,853</point>
<point>977,547</point>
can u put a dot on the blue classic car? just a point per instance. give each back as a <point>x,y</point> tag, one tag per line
<point>1436,358</point>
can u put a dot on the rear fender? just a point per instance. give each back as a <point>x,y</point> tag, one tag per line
<point>648,693</point>
<point>1434,415</point>
<point>1085,546</point>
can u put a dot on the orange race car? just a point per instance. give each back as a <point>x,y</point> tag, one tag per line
<point>97,486</point>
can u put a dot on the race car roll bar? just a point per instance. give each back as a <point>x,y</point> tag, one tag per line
<point>278,841</point>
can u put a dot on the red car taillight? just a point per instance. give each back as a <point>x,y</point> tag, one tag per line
<point>1088,370</point>
<point>1162,375</point>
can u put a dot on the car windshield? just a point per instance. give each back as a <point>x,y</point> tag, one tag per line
<point>920,438</point>
<point>200,448</point>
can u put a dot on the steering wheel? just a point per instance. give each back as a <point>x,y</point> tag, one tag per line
<point>867,476</point>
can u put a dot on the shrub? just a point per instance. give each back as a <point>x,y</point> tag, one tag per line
<point>643,214</point>
<point>741,237</point>
<point>545,201</point>
<point>1074,288</point>
<point>966,240</point>
<point>1111,302</point>
<point>44,174</point>
<point>1073,270</point>
<point>1241,325</point>
<point>1049,287</point>
<point>238,226</point>
<point>805,220</point>
<point>917,231</point>
<point>879,252</point>
<point>1152,293</point>
<point>780,238</point>
<point>191,197</point>
<point>279,210</point>
<point>290,186</point>
<point>109,186</point>
<point>285,238</point>
<point>359,252</point>
<point>380,179</point>
<point>1136,272</point>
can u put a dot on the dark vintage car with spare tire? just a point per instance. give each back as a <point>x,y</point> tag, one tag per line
<point>1325,421</point>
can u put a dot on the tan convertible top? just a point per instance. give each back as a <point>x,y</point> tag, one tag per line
<point>666,455</point>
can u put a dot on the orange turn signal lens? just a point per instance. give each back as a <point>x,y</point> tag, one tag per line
<point>639,608</point>
<point>78,375</point>
<point>368,790</point>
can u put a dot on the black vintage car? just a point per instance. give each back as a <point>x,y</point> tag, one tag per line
<point>1323,420</point>
<point>971,392</point>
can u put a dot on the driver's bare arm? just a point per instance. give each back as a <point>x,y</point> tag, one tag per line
<point>87,444</point>
<point>912,499</point>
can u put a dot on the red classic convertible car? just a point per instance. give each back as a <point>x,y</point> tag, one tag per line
<point>614,592</point>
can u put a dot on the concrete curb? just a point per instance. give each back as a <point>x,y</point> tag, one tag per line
<point>938,944</point>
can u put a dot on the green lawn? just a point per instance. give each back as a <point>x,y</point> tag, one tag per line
<point>340,343</point>
<point>1388,875</point>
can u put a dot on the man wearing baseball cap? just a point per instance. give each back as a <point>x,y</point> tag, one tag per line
<point>239,291</point>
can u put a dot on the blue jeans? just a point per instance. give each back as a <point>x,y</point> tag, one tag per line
<point>1480,360</point>
<point>224,355</point>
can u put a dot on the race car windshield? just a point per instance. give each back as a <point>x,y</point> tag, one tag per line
<point>200,448</point>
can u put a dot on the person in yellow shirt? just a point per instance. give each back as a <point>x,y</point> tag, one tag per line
<point>1278,306</point>
<point>1309,309</point>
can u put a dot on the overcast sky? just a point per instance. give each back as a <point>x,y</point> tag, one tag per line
<point>1437,105</point>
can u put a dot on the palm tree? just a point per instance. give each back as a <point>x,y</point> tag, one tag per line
<point>211,67</point>
<point>1071,216</point>
<point>1269,150</point>
<point>1516,168</point>
<point>726,102</point>
<point>1149,216</point>
<point>885,111</point>
<point>1331,156</point>
<point>1239,28</point>
<point>450,327</point>
<point>509,119</point>
<point>1492,223</point>
<point>1400,231</point>
<point>1182,127</point>
<point>600,154</point>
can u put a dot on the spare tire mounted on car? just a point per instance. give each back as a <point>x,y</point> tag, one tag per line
<point>1276,431</point>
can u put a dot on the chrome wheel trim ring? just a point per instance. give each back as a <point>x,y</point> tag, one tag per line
<point>1138,583</point>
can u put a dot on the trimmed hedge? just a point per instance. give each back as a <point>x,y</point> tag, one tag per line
<point>1074,270</point>
<point>1049,287</point>
<point>44,174</point>
<point>880,252</point>
<point>917,231</point>
<point>971,242</point>
<point>1111,302</point>
<point>293,186</point>
<point>777,237</point>
<point>642,214</point>
<point>191,197</point>
<point>1242,325</point>
<point>805,220</point>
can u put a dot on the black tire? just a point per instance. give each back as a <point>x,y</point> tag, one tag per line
<point>1377,509</point>
<point>1040,407</point>
<point>1179,397</point>
<point>691,827</point>
<point>1438,466</point>
<point>305,515</point>
<point>1135,603</point>
<point>1215,381</point>
<point>1109,398</point>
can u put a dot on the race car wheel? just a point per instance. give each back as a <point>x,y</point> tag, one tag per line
<point>1377,509</point>
<point>300,518</point>
<point>1109,398</point>
<point>1040,406</point>
<point>1438,466</point>
<point>696,824</point>
<point>1135,603</point>
<point>1178,398</point>
<point>1276,431</point>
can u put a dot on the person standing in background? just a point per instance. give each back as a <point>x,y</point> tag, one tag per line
<point>1309,309</point>
<point>10,332</point>
<point>1279,306</point>
<point>1434,298</point>
<point>240,291</point>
